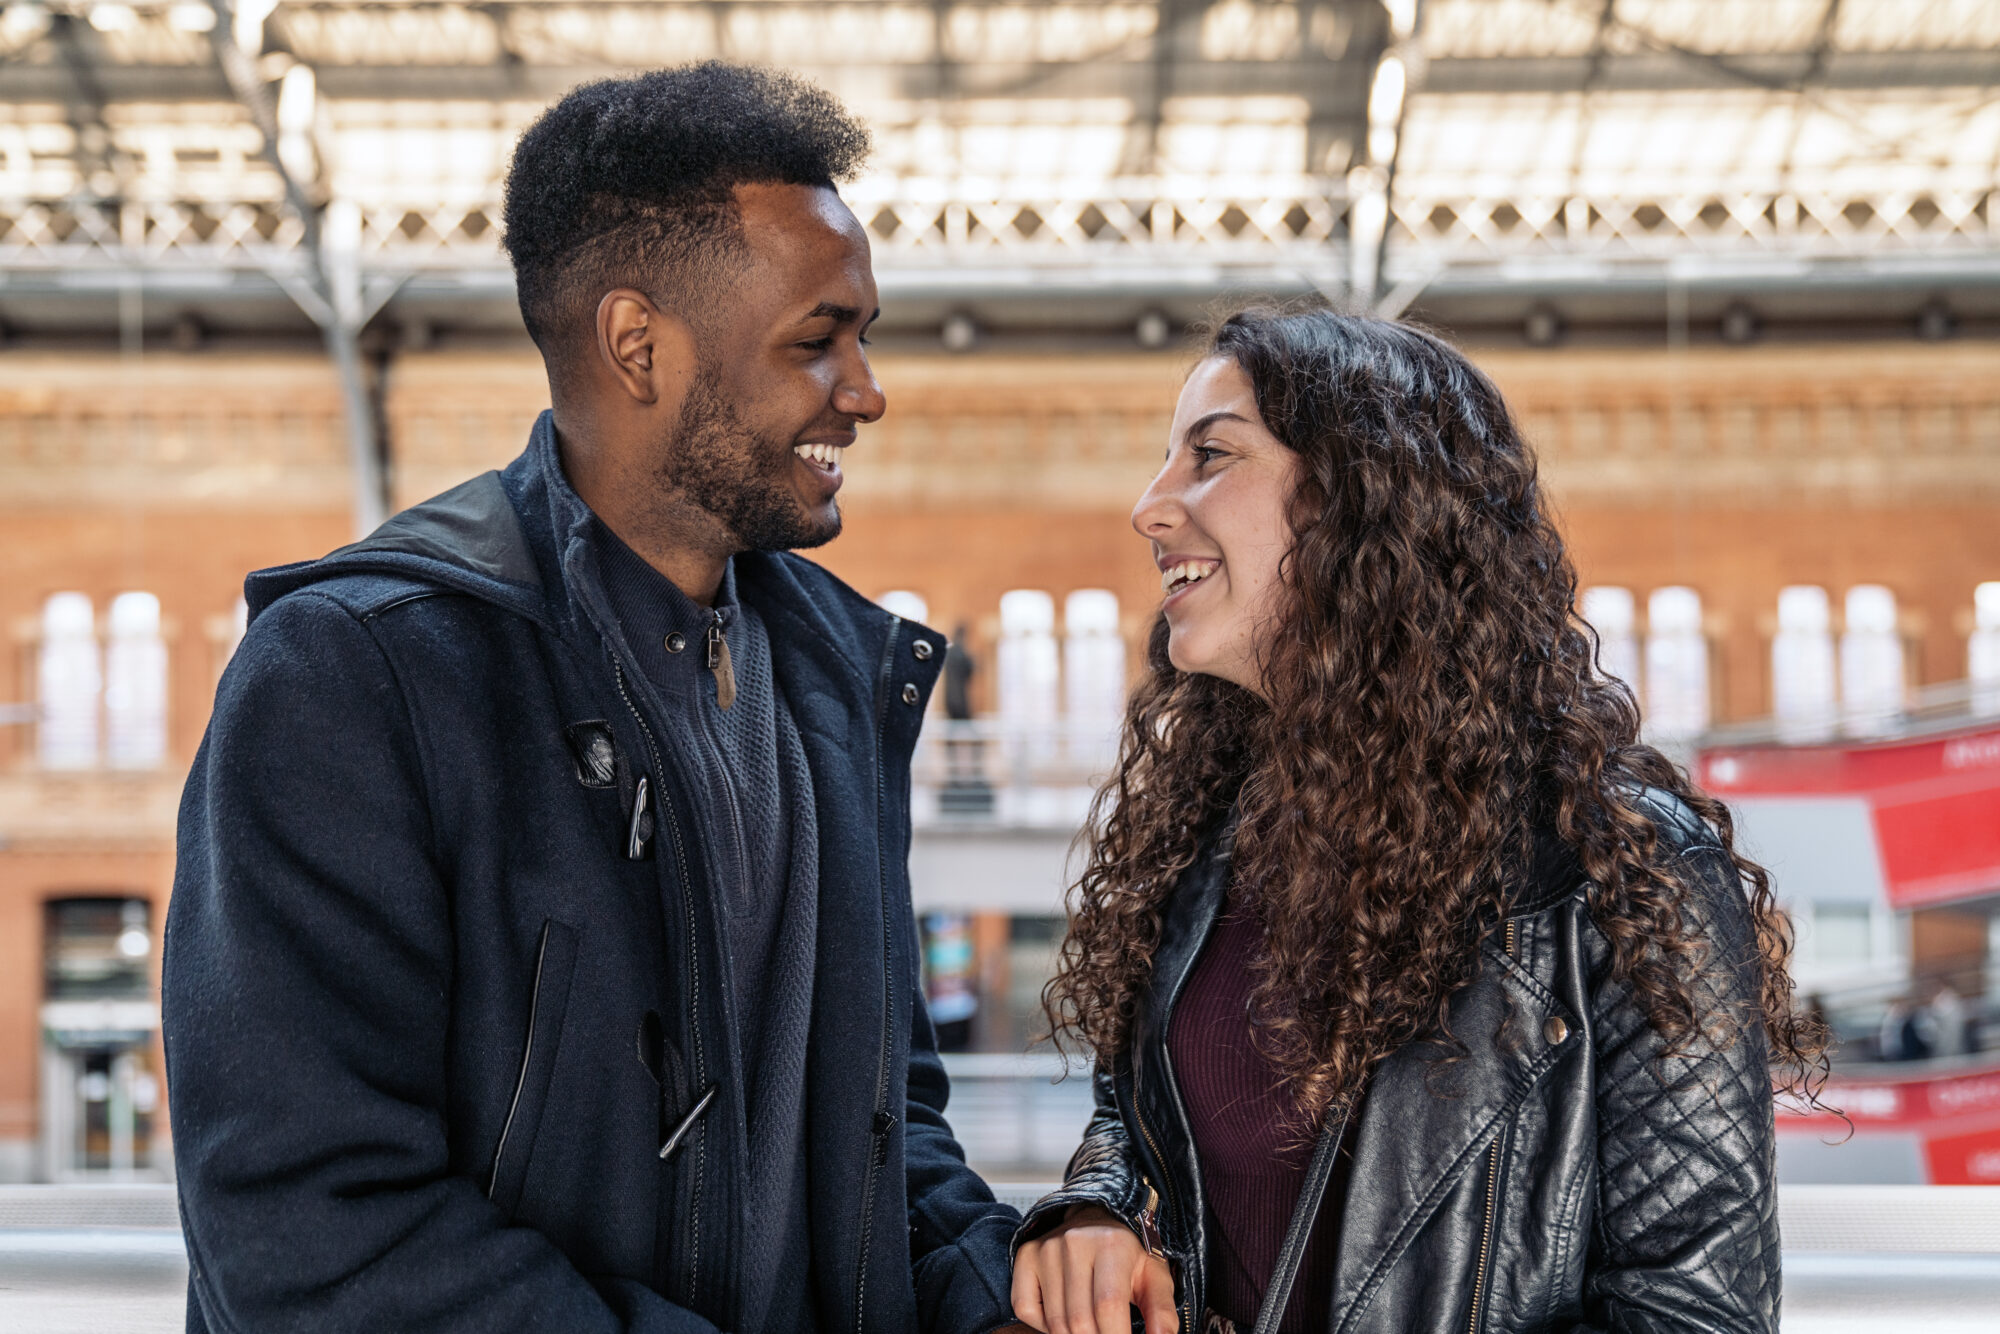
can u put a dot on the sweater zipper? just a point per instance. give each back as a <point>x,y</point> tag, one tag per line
<point>693,972</point>
<point>1508,941</point>
<point>884,1121</point>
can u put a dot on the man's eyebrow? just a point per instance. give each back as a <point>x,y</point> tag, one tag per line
<point>828,310</point>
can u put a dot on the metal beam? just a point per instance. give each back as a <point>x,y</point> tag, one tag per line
<point>331,295</point>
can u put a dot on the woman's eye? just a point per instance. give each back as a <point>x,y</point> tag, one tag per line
<point>1203,453</point>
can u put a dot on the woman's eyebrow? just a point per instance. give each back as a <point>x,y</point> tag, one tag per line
<point>1201,424</point>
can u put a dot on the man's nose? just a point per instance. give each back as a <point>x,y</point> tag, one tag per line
<point>859,395</point>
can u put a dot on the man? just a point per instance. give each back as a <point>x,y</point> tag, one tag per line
<point>541,953</point>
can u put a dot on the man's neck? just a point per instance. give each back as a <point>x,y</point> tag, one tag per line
<point>681,541</point>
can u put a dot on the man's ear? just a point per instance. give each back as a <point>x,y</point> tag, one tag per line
<point>647,351</point>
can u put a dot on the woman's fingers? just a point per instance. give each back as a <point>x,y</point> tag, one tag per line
<point>1153,1294</point>
<point>1050,1265</point>
<point>1080,1290</point>
<point>1085,1278</point>
<point>1027,1294</point>
<point>1111,1292</point>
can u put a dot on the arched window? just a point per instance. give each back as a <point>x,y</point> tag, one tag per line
<point>71,679</point>
<point>1802,677</point>
<point>1982,653</point>
<point>1028,672</point>
<point>1871,661</point>
<point>1676,666</point>
<point>1093,676</point>
<point>1611,612</point>
<point>902,602</point>
<point>135,684</point>
<point>239,625</point>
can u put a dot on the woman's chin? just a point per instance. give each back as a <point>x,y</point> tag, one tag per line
<point>1184,651</point>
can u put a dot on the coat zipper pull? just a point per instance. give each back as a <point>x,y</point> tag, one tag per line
<point>718,662</point>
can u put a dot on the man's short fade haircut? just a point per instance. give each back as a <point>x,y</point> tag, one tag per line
<point>626,183</point>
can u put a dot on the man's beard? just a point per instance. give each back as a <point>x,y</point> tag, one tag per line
<point>742,478</point>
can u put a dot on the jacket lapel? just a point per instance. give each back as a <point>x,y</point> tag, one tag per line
<point>1427,1120</point>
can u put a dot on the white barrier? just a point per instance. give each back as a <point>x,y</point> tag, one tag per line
<point>1858,1259</point>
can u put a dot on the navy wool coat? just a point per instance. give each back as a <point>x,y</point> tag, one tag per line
<point>442,978</point>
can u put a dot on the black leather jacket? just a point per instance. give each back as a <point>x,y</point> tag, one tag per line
<point>1560,1177</point>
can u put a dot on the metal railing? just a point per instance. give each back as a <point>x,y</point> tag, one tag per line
<point>1934,710</point>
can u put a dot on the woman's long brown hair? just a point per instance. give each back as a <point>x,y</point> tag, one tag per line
<point>1433,698</point>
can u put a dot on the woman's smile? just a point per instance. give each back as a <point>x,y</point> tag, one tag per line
<point>1180,574</point>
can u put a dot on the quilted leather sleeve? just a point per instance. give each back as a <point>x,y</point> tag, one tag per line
<point>1686,1237</point>
<point>1103,1170</point>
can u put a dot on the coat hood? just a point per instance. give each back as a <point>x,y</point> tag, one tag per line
<point>515,538</point>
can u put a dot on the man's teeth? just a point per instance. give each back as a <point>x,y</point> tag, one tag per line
<point>824,455</point>
<point>1187,572</point>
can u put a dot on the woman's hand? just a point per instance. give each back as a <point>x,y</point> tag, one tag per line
<point>1087,1275</point>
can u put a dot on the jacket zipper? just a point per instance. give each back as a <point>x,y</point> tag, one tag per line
<point>883,1121</point>
<point>1508,942</point>
<point>693,973</point>
<point>527,1056</point>
<point>1187,1321</point>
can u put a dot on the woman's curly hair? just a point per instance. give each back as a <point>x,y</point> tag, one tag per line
<point>1433,699</point>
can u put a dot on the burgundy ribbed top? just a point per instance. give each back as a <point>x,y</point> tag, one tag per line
<point>1251,1166</point>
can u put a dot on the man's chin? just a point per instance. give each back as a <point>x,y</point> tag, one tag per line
<point>819,530</point>
<point>803,532</point>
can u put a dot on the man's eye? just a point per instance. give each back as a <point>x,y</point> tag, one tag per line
<point>819,344</point>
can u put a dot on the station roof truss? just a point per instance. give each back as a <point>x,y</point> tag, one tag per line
<point>1376,149</point>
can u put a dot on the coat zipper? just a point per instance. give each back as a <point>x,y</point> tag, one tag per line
<point>1509,940</point>
<point>884,1121</point>
<point>693,971</point>
<point>527,1056</point>
<point>1187,1322</point>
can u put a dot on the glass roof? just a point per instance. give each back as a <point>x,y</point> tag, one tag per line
<point>1242,133</point>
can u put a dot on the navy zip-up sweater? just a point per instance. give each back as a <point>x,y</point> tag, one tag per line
<point>444,974</point>
<point>760,840</point>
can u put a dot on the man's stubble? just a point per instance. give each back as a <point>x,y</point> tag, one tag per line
<point>719,463</point>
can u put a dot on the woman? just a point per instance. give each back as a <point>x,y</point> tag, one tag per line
<point>1423,995</point>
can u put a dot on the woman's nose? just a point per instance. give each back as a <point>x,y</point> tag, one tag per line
<point>1159,509</point>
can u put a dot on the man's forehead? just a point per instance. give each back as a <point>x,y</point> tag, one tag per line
<point>798,215</point>
<point>806,248</point>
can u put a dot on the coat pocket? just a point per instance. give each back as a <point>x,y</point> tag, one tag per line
<point>555,963</point>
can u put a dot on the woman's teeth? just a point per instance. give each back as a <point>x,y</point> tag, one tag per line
<point>820,456</point>
<point>1177,577</point>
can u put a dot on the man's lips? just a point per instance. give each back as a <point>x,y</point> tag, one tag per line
<point>821,454</point>
<point>822,460</point>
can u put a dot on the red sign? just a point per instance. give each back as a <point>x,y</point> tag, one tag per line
<point>1935,803</point>
<point>1956,1118</point>
<point>1964,1160</point>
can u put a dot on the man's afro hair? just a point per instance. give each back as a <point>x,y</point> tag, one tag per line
<point>627,181</point>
